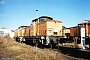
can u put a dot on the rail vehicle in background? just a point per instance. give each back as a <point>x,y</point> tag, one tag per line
<point>47,31</point>
<point>75,32</point>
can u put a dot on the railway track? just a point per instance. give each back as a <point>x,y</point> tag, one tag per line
<point>66,55</point>
<point>75,53</point>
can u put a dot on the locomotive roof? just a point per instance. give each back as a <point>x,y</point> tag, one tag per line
<point>55,21</point>
<point>46,17</point>
<point>74,27</point>
<point>35,20</point>
<point>83,23</point>
<point>67,28</point>
<point>42,17</point>
<point>22,26</point>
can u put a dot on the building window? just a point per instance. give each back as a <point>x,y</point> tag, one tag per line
<point>55,33</point>
<point>1,33</point>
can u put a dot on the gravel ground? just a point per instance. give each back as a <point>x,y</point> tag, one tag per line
<point>12,49</point>
<point>61,56</point>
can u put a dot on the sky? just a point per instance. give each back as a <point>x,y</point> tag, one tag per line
<point>14,13</point>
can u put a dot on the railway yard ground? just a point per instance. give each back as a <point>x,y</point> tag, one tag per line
<point>20,51</point>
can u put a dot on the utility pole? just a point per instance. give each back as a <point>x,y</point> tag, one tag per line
<point>36,13</point>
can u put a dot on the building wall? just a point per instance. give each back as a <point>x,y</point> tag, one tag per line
<point>4,32</point>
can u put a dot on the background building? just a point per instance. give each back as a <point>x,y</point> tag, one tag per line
<point>5,32</point>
